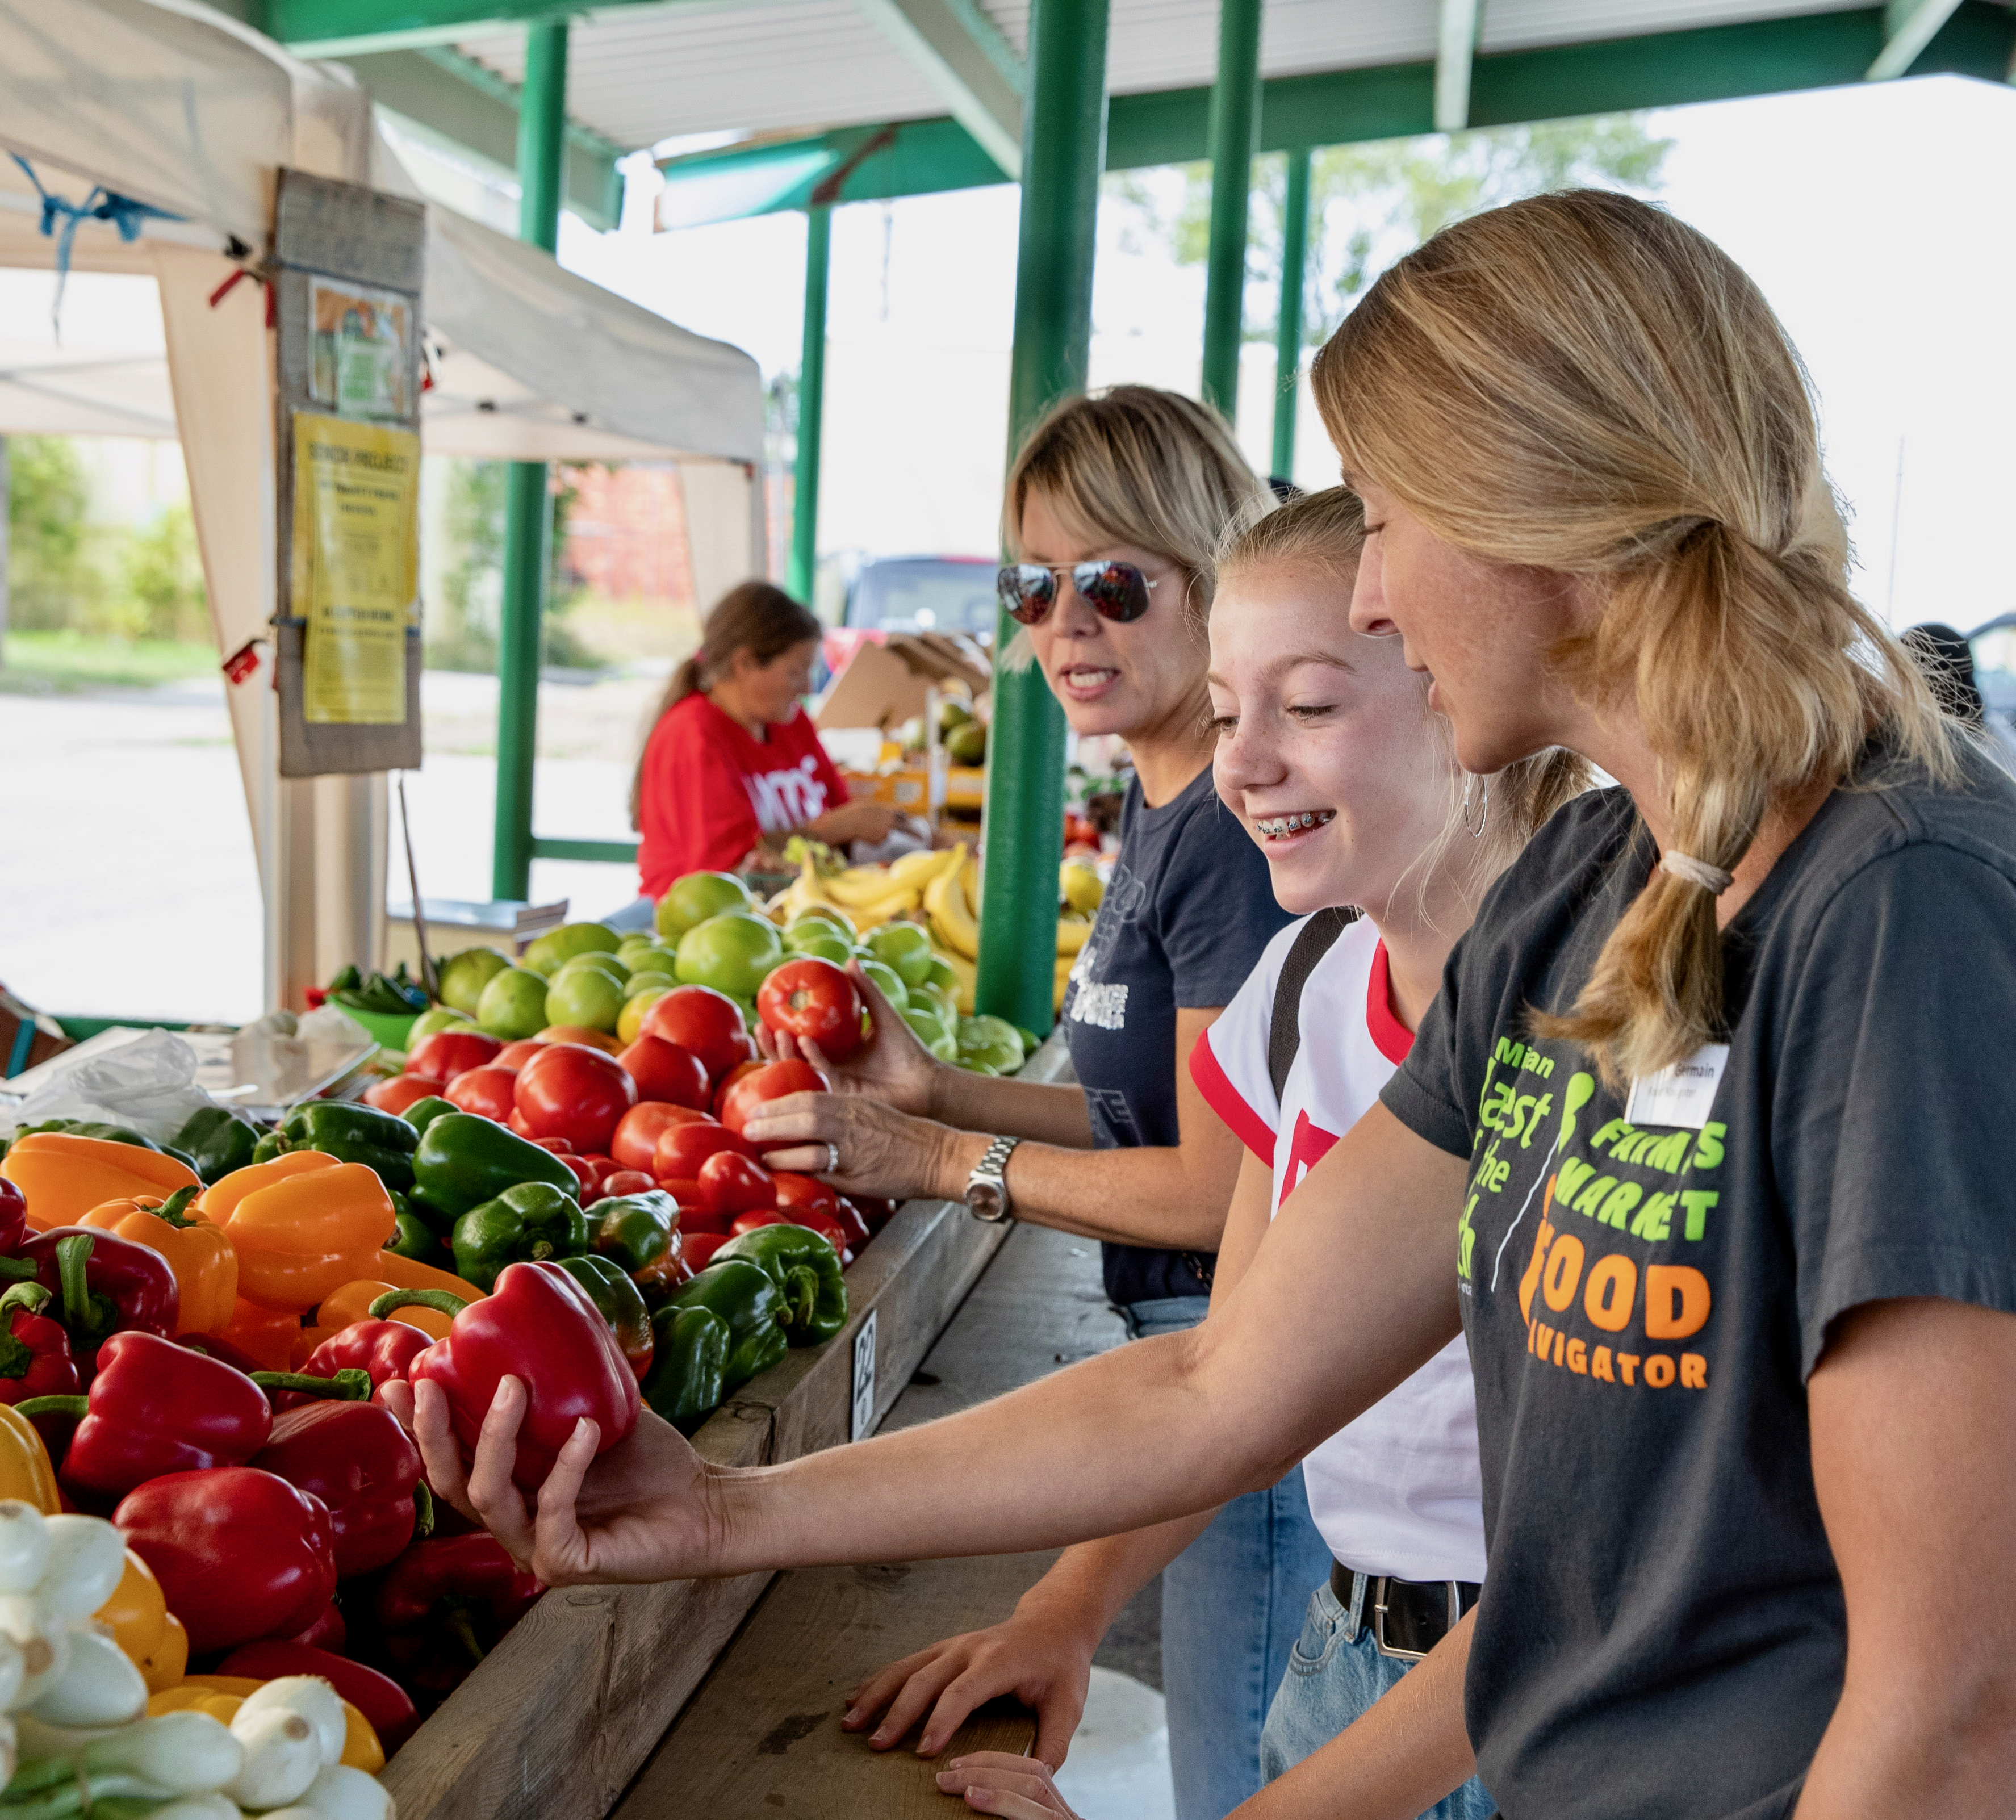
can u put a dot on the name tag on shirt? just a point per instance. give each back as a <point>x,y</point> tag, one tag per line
<point>1681,1095</point>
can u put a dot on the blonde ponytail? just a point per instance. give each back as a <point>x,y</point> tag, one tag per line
<point>1578,382</point>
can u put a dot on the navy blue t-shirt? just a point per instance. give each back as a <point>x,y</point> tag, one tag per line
<point>1189,909</point>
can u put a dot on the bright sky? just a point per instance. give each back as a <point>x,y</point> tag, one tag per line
<point>1878,220</point>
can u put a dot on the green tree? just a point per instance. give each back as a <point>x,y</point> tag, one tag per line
<point>52,582</point>
<point>159,592</point>
<point>1369,204</point>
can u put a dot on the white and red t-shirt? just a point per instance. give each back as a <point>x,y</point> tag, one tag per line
<point>710,791</point>
<point>1399,1492</point>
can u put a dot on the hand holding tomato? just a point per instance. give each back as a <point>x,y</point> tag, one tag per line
<point>815,1001</point>
<point>890,1064</point>
<point>882,1151</point>
<point>767,1080</point>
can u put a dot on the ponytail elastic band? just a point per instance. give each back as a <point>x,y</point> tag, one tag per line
<point>1711,878</point>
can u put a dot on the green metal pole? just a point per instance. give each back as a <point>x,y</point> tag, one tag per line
<point>811,400</point>
<point>1232,135</point>
<point>528,509</point>
<point>1288,343</point>
<point>1064,150</point>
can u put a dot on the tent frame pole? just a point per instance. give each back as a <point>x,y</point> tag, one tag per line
<point>811,400</point>
<point>1063,151</point>
<point>1288,334</point>
<point>528,509</point>
<point>1232,135</point>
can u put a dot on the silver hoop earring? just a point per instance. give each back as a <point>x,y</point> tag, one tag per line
<point>1483,806</point>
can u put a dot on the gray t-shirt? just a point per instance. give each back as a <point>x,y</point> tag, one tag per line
<point>1662,1633</point>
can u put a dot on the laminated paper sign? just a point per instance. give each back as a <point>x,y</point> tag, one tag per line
<point>356,565</point>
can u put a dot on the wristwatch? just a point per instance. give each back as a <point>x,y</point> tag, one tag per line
<point>986,1187</point>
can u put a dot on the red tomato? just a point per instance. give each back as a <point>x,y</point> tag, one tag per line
<point>827,1229</point>
<point>486,1091</point>
<point>584,1176</point>
<point>729,1079</point>
<point>708,1023</point>
<point>665,1071</point>
<point>620,1182</point>
<point>400,1092</point>
<point>569,1091</point>
<point>851,1221</point>
<point>683,1149</point>
<point>559,1146</point>
<point>514,1056</point>
<point>701,1246</point>
<point>768,1080</point>
<point>808,1193</point>
<point>639,1131</point>
<point>449,1053</point>
<point>730,1184</point>
<point>812,997</point>
<point>684,1190</point>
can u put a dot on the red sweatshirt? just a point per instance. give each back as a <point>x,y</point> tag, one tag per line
<point>710,791</point>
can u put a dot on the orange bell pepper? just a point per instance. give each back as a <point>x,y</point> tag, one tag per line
<point>410,1273</point>
<point>200,1254</point>
<point>136,1617</point>
<point>352,1303</point>
<point>299,1233</point>
<point>65,1177</point>
<point>267,1335</point>
<point>26,1472</point>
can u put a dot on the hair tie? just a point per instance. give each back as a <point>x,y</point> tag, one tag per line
<point>1711,878</point>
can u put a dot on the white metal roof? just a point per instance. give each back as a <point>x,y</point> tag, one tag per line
<point>643,73</point>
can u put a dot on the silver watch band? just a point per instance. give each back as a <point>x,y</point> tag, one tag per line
<point>987,1188</point>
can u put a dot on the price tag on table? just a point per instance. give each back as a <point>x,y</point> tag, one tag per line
<point>862,1418</point>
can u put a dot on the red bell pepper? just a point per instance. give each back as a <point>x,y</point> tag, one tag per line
<point>103,1285</point>
<point>156,1408</point>
<point>445,1603</point>
<point>537,1325</point>
<point>13,1216</point>
<point>382,1350</point>
<point>35,1359</point>
<point>381,1700</point>
<point>360,1462</point>
<point>327,1631</point>
<point>240,1554</point>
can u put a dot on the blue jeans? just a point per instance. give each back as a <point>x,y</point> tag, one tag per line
<point>1335,1672</point>
<point>1230,1604</point>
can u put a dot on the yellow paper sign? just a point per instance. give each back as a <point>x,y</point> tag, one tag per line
<point>356,565</point>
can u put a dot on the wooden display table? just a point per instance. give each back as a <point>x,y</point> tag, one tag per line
<point>557,1720</point>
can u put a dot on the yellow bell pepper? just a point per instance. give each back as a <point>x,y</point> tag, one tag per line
<point>25,1470</point>
<point>410,1273</point>
<point>64,1176</point>
<point>200,1254</point>
<point>301,1232</point>
<point>352,1303</point>
<point>221,1696</point>
<point>265,1334</point>
<point>137,1618</point>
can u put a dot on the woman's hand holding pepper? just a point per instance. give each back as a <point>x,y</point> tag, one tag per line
<point>892,1066</point>
<point>882,1151</point>
<point>642,1511</point>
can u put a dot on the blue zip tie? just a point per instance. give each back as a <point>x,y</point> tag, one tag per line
<point>102,205</point>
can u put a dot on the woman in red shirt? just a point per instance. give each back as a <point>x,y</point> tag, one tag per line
<point>733,761</point>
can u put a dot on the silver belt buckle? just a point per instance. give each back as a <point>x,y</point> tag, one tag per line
<point>1454,1592</point>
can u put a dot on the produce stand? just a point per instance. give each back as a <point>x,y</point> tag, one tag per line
<point>560,1716</point>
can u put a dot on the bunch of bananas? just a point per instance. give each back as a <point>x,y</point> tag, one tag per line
<point>870,894</point>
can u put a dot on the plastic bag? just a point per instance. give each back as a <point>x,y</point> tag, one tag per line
<point>147,1085</point>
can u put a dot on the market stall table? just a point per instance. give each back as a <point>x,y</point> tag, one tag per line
<point>760,1738</point>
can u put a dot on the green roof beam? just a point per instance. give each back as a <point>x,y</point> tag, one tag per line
<point>973,69</point>
<point>1908,27</point>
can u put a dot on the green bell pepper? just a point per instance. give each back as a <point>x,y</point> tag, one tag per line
<point>411,1236</point>
<point>464,1160</point>
<point>522,1225</point>
<point>743,1294</point>
<point>352,1132</point>
<point>218,1140</point>
<point>621,1305</point>
<point>634,1231</point>
<point>423,1112</point>
<point>688,1366</point>
<point>806,1270</point>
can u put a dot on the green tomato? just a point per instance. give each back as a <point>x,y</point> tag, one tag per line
<point>635,945</point>
<point>513,1005</point>
<point>888,981</point>
<point>612,965</point>
<point>828,913</point>
<point>463,976</point>
<point>694,899</point>
<point>906,946</point>
<point>990,1041</point>
<point>946,1002</point>
<point>441,1017</point>
<point>942,972</point>
<point>932,1032</point>
<point>650,980</point>
<point>815,935</point>
<point>585,996</point>
<point>731,952</point>
<point>550,950</point>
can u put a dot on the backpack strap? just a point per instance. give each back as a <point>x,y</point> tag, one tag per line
<point>1284,1034</point>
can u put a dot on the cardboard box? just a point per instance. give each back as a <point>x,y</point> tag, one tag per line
<point>887,682</point>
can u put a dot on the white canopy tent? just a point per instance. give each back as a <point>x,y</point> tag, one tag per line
<point>179,107</point>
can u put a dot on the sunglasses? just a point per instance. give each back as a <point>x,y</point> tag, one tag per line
<point>1114,591</point>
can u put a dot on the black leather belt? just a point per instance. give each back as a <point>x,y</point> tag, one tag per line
<point>1407,1618</point>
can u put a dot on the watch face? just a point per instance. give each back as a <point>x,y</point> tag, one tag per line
<point>985,1201</point>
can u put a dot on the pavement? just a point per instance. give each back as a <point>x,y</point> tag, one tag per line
<point>130,885</point>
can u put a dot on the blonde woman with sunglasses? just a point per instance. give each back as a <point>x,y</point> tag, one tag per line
<point>1701,1145</point>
